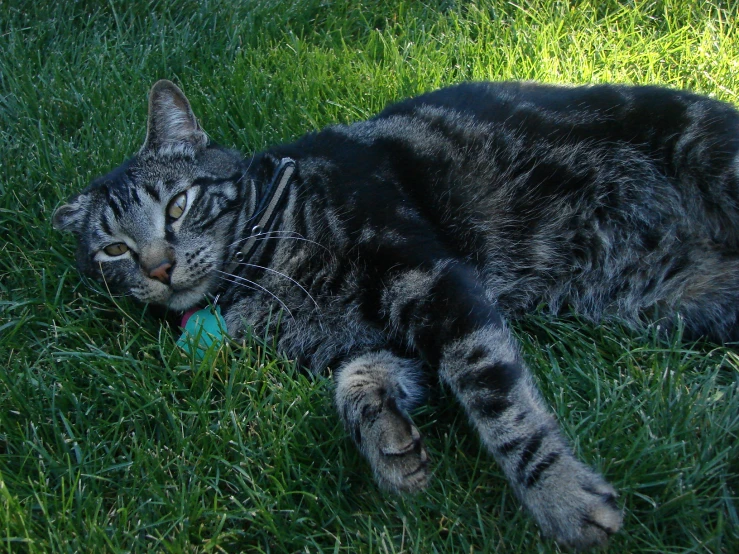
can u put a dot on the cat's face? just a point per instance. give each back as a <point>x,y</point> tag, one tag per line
<point>160,226</point>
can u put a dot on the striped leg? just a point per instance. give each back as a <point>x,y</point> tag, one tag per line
<point>571,502</point>
<point>373,395</point>
<point>447,317</point>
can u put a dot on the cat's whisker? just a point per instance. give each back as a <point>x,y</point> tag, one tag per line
<point>286,277</point>
<point>292,235</point>
<point>248,167</point>
<point>276,234</point>
<point>298,239</point>
<point>243,281</point>
<point>245,285</point>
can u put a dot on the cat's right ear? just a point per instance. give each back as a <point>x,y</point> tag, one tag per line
<point>172,126</point>
<point>69,217</point>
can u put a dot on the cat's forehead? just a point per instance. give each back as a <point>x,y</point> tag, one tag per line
<point>135,184</point>
<point>135,173</point>
<point>166,173</point>
<point>131,194</point>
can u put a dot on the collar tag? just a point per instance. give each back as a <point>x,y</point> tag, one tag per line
<point>202,329</point>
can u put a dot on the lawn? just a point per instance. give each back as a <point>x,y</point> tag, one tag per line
<point>112,440</point>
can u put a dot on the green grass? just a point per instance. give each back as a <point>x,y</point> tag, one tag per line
<point>111,440</point>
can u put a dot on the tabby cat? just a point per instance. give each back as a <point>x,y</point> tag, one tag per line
<point>400,245</point>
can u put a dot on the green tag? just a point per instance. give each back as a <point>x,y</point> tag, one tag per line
<point>203,328</point>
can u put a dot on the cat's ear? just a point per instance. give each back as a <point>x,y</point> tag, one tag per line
<point>171,125</point>
<point>69,217</point>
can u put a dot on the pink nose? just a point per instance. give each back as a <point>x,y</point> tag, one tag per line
<point>161,273</point>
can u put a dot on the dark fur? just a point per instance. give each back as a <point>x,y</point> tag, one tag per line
<point>414,234</point>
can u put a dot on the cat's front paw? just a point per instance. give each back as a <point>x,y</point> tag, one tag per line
<point>575,506</point>
<point>394,448</point>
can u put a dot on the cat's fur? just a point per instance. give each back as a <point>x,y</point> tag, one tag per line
<point>404,241</point>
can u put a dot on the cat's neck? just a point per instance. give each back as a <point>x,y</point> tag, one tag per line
<point>265,211</point>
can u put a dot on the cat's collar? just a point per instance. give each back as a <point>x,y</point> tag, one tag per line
<point>268,205</point>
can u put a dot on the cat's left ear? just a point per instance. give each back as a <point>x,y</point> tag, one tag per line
<point>69,217</point>
<point>172,124</point>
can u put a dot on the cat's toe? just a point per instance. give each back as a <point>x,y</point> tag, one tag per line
<point>583,515</point>
<point>600,518</point>
<point>398,457</point>
<point>399,442</point>
<point>405,467</point>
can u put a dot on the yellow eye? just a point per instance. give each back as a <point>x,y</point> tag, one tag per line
<point>177,206</point>
<point>117,249</point>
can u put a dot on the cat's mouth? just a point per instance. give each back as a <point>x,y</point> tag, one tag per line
<point>184,298</point>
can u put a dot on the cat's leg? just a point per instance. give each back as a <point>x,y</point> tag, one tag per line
<point>706,296</point>
<point>571,502</point>
<point>446,315</point>
<point>701,285</point>
<point>374,393</point>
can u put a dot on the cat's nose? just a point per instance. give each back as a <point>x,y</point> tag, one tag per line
<point>162,272</point>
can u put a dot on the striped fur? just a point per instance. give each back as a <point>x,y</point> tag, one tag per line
<point>405,242</point>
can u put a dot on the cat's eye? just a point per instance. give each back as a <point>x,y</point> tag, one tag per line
<point>117,249</point>
<point>177,206</point>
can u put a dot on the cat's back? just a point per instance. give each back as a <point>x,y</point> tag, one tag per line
<point>498,101</point>
<point>535,182</point>
<point>524,154</point>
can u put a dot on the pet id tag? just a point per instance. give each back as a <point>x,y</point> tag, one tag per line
<point>202,328</point>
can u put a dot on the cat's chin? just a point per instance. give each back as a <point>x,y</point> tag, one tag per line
<point>184,300</point>
<point>194,296</point>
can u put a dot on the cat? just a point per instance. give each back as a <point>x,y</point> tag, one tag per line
<point>401,245</point>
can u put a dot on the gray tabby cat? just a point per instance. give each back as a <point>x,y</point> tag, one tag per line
<point>398,245</point>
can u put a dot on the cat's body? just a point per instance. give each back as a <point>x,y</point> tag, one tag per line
<point>401,243</point>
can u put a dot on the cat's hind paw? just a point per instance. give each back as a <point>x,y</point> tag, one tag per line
<point>394,448</point>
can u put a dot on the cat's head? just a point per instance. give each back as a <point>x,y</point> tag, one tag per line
<point>159,226</point>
